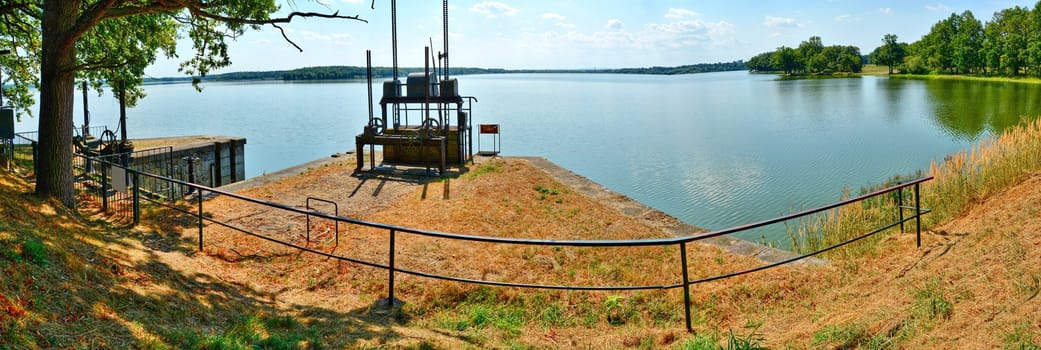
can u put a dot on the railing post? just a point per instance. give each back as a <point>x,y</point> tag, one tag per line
<point>900,206</point>
<point>199,195</point>
<point>686,285</point>
<point>137,197</point>
<point>104,188</point>
<point>918,216</point>
<point>390,284</point>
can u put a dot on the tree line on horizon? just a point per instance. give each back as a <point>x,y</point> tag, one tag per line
<point>355,72</point>
<point>1009,44</point>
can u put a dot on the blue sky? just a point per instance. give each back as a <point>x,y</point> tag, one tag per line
<point>581,33</point>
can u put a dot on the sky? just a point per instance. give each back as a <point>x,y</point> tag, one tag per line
<point>566,34</point>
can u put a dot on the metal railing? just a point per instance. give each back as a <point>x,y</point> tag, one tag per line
<point>396,232</point>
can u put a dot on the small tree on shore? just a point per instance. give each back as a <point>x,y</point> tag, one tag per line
<point>891,53</point>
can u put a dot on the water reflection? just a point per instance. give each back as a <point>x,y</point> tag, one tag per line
<point>970,110</point>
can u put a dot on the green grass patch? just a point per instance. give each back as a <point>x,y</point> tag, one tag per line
<point>1022,337</point>
<point>486,168</point>
<point>844,336</point>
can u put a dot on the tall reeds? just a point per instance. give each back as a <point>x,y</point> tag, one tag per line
<point>960,181</point>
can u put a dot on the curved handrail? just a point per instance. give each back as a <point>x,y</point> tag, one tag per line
<point>681,241</point>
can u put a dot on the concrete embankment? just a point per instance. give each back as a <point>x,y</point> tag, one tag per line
<point>625,205</point>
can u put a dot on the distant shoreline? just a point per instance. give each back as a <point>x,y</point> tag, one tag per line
<point>355,72</point>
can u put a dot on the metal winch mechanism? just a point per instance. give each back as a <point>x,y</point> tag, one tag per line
<point>424,121</point>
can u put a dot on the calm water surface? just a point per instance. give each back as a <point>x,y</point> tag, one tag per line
<point>715,150</point>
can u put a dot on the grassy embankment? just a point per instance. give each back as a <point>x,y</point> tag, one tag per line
<point>871,69</point>
<point>960,181</point>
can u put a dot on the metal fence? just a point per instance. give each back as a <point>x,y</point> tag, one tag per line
<point>133,196</point>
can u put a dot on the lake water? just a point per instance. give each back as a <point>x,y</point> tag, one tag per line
<point>714,150</point>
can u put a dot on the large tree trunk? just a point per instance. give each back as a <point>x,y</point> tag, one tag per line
<point>57,78</point>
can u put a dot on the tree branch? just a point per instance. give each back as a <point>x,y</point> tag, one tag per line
<point>284,36</point>
<point>199,12</point>
<point>88,19</point>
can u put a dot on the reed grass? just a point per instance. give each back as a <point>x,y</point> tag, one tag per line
<point>960,181</point>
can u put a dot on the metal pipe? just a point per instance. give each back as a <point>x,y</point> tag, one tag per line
<point>445,7</point>
<point>368,76</point>
<point>900,206</point>
<point>390,284</point>
<point>122,113</point>
<point>394,36</point>
<point>200,218</point>
<point>686,284</point>
<point>918,216</point>
<point>86,113</point>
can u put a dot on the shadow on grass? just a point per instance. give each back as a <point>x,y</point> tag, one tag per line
<point>72,282</point>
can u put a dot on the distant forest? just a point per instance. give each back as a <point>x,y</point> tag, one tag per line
<point>353,72</point>
<point>1009,44</point>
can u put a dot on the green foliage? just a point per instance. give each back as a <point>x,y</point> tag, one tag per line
<point>486,168</point>
<point>891,53</point>
<point>811,57</point>
<point>1022,337</point>
<point>844,336</point>
<point>545,192</point>
<point>34,251</point>
<point>930,302</point>
<point>251,332</point>
<point>701,341</point>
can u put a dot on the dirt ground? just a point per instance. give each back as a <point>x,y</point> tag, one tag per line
<point>980,270</point>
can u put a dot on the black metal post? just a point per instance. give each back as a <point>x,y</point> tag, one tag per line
<point>200,219</point>
<point>686,284</point>
<point>137,197</point>
<point>918,216</point>
<point>104,188</point>
<point>86,113</point>
<point>122,114</point>
<point>900,206</point>
<point>390,288</point>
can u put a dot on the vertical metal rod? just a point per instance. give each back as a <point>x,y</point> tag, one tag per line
<point>686,284</point>
<point>394,37</point>
<point>137,197</point>
<point>199,194</point>
<point>390,288</point>
<point>104,188</point>
<point>368,76</point>
<point>918,216</point>
<point>445,8</point>
<point>122,115</point>
<point>900,206</point>
<point>307,227</point>
<point>86,113</point>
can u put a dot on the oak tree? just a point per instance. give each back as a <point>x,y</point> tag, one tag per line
<point>54,42</point>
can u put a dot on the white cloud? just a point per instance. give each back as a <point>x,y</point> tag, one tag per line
<point>615,24</point>
<point>843,18</point>
<point>335,38</point>
<point>494,9</point>
<point>938,8</point>
<point>779,22</point>
<point>558,20</point>
<point>886,11</point>
<point>553,16</point>
<point>675,13</point>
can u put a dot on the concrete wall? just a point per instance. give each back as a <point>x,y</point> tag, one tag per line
<point>215,160</point>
